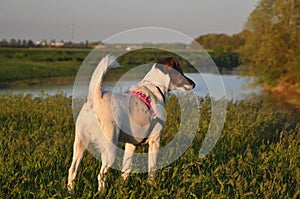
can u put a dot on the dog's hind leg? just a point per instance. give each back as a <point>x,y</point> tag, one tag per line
<point>107,161</point>
<point>101,177</point>
<point>78,153</point>
<point>127,159</point>
<point>108,152</point>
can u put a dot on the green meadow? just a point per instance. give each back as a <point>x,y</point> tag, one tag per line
<point>49,66</point>
<point>23,67</point>
<point>257,155</point>
<point>27,67</point>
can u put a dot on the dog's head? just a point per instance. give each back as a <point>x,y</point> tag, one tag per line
<point>178,81</point>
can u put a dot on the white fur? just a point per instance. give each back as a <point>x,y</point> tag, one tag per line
<point>105,117</point>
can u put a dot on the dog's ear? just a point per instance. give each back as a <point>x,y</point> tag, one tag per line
<point>170,62</point>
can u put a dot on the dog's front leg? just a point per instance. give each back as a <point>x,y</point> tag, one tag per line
<point>127,159</point>
<point>152,156</point>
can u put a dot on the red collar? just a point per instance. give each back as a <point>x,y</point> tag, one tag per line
<point>145,99</point>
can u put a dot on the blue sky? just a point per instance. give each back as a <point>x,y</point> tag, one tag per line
<point>97,20</point>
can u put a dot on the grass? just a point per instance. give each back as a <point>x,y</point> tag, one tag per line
<point>20,67</point>
<point>257,155</point>
<point>31,66</point>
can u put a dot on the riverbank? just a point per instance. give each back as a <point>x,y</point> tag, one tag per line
<point>289,100</point>
<point>31,83</point>
<point>26,68</point>
<point>287,95</point>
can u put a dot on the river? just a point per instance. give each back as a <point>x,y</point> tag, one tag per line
<point>235,87</point>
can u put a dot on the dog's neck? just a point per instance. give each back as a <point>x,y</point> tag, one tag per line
<point>162,94</point>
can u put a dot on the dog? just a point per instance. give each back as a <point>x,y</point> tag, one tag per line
<point>135,117</point>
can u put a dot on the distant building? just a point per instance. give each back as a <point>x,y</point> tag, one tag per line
<point>133,47</point>
<point>57,44</point>
<point>100,46</point>
<point>40,43</point>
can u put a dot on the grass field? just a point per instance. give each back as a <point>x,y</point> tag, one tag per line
<point>31,64</point>
<point>257,155</point>
<point>49,66</point>
<point>20,66</point>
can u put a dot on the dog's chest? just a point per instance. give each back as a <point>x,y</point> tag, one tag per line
<point>139,113</point>
<point>135,121</point>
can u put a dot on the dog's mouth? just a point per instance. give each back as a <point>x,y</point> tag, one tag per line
<point>191,82</point>
<point>187,84</point>
<point>180,82</point>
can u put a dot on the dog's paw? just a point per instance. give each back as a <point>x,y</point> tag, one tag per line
<point>151,177</point>
<point>102,190</point>
<point>70,187</point>
<point>125,175</point>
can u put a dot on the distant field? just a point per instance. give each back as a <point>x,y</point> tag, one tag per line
<point>40,66</point>
<point>257,155</point>
<point>35,66</point>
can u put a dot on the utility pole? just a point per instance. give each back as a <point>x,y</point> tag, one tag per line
<point>73,32</point>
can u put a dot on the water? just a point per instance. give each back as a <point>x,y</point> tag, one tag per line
<point>236,87</point>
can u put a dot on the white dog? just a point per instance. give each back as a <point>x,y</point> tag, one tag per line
<point>135,118</point>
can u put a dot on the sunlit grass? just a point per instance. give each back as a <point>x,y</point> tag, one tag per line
<point>257,155</point>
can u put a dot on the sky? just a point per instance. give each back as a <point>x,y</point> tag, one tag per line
<point>97,20</point>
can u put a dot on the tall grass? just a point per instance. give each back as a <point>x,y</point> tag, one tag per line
<point>257,155</point>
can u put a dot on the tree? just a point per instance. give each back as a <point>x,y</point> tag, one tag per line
<point>30,43</point>
<point>4,43</point>
<point>229,43</point>
<point>24,43</point>
<point>13,42</point>
<point>272,47</point>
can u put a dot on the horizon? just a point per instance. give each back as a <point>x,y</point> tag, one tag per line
<point>97,21</point>
<point>113,42</point>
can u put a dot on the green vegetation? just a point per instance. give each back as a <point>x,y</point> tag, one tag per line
<point>268,47</point>
<point>33,66</point>
<point>257,155</point>
<point>228,60</point>
<point>272,49</point>
<point>149,55</point>
<point>227,43</point>
<point>224,60</point>
<point>224,49</point>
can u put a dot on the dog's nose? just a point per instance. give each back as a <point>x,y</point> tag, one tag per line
<point>191,82</point>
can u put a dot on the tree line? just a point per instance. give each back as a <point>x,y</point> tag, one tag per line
<point>28,43</point>
<point>272,49</point>
<point>268,47</point>
<point>224,49</point>
<point>16,43</point>
<point>223,42</point>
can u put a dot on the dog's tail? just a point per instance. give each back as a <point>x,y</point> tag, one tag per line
<point>95,87</point>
